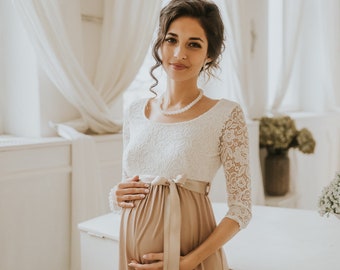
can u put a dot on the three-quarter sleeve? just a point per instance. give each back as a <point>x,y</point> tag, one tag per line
<point>234,154</point>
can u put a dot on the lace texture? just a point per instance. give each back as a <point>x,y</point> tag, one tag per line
<point>235,160</point>
<point>195,148</point>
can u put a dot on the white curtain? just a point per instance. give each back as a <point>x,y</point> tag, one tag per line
<point>124,43</point>
<point>245,78</point>
<point>316,84</point>
<point>238,52</point>
<point>291,34</point>
<point>45,25</point>
<point>330,22</point>
<point>123,37</point>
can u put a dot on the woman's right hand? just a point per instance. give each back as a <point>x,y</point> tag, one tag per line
<point>130,191</point>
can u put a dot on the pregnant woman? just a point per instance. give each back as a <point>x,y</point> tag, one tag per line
<point>174,143</point>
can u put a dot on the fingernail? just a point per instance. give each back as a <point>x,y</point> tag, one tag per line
<point>142,196</point>
<point>146,191</point>
<point>146,185</point>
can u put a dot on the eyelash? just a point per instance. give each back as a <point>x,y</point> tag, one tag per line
<point>170,40</point>
<point>195,45</point>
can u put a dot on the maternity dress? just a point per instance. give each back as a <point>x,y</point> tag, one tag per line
<point>180,160</point>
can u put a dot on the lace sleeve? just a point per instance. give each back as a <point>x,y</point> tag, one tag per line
<point>235,161</point>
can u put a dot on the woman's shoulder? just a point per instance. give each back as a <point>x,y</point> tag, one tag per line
<point>228,106</point>
<point>135,107</point>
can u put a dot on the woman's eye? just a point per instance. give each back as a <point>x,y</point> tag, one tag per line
<point>195,45</point>
<point>170,40</point>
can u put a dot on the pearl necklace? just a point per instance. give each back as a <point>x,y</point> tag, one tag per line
<point>184,109</point>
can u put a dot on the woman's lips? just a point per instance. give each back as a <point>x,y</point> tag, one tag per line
<point>178,66</point>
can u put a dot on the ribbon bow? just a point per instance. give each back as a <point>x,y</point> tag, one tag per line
<point>172,221</point>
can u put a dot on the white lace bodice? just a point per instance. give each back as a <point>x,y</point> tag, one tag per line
<point>196,148</point>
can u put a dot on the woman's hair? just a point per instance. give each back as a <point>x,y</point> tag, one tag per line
<point>207,14</point>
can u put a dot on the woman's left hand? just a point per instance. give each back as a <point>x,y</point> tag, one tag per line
<point>156,262</point>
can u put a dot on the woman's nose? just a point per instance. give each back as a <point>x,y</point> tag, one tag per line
<point>179,52</point>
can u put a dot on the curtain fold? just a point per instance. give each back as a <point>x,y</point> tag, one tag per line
<point>245,46</point>
<point>124,37</point>
<point>45,26</point>
<point>237,46</point>
<point>292,26</point>
<point>330,21</point>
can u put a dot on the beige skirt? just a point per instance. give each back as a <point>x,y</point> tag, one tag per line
<point>142,227</point>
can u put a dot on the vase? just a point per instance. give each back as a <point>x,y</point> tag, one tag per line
<point>276,173</point>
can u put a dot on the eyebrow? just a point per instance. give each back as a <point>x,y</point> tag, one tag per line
<point>192,38</point>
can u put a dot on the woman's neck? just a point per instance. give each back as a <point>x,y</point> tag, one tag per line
<point>179,94</point>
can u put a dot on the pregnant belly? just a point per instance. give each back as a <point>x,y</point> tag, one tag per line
<point>143,226</point>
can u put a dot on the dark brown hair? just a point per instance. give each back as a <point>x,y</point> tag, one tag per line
<point>207,14</point>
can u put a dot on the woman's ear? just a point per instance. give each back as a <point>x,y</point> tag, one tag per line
<point>207,61</point>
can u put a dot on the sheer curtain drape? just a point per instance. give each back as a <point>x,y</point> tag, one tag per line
<point>330,22</point>
<point>238,53</point>
<point>123,37</point>
<point>291,35</point>
<point>124,43</point>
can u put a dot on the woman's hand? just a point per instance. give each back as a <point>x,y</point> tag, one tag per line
<point>156,262</point>
<point>130,191</point>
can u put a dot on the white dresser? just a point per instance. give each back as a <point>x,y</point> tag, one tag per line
<point>99,243</point>
<point>276,239</point>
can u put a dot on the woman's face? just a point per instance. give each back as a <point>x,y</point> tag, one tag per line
<point>184,50</point>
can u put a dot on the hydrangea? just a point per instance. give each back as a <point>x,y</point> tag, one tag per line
<point>278,134</point>
<point>329,201</point>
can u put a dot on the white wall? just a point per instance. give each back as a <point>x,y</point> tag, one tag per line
<point>21,109</point>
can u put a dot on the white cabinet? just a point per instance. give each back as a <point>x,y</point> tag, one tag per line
<point>99,243</point>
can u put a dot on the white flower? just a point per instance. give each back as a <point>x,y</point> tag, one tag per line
<point>329,201</point>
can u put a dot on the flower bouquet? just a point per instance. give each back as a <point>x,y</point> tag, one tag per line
<point>278,134</point>
<point>329,201</point>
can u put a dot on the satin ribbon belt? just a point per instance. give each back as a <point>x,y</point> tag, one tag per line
<point>172,213</point>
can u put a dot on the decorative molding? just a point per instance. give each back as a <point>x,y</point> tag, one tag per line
<point>38,173</point>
